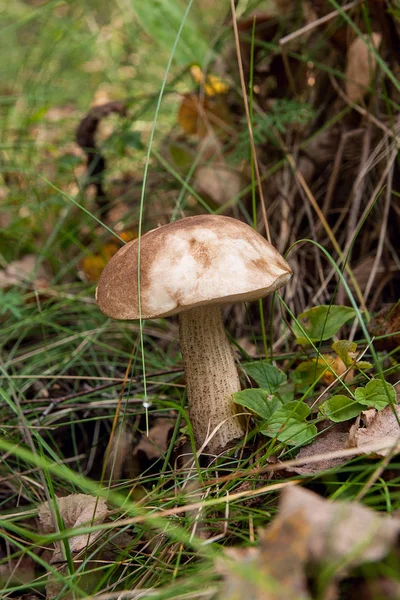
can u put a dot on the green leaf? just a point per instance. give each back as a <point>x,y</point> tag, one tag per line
<point>288,424</point>
<point>343,348</point>
<point>307,372</point>
<point>161,20</point>
<point>364,365</point>
<point>267,376</point>
<point>322,322</point>
<point>286,392</point>
<point>132,139</point>
<point>376,394</point>
<point>340,408</point>
<point>258,402</point>
<point>181,156</point>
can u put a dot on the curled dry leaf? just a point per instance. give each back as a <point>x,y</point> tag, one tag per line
<point>76,511</point>
<point>341,531</point>
<point>382,427</point>
<point>86,139</point>
<point>308,533</point>
<point>155,444</point>
<point>272,571</point>
<point>360,67</point>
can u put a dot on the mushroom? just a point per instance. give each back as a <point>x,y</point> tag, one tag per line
<point>192,267</point>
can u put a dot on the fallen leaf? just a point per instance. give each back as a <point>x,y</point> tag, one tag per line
<point>331,440</point>
<point>200,115</point>
<point>384,427</point>
<point>308,534</point>
<point>218,182</point>
<point>272,571</point>
<point>29,269</point>
<point>120,452</point>
<point>76,511</point>
<point>17,571</point>
<point>155,445</point>
<point>360,67</point>
<point>340,532</point>
<point>86,139</point>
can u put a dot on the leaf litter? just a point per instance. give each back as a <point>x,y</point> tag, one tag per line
<point>308,535</point>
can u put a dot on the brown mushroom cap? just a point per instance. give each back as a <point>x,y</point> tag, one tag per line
<point>206,259</point>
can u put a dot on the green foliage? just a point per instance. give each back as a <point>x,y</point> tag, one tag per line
<point>266,375</point>
<point>322,322</point>
<point>258,402</point>
<point>340,408</point>
<point>161,20</point>
<point>282,113</point>
<point>288,424</point>
<point>345,350</point>
<point>285,421</point>
<point>11,301</point>
<point>376,394</point>
<point>307,372</point>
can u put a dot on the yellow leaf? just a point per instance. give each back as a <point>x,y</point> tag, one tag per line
<point>93,265</point>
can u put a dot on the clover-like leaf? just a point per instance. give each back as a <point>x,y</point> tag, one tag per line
<point>376,394</point>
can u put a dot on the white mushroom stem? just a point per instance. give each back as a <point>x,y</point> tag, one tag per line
<point>211,377</point>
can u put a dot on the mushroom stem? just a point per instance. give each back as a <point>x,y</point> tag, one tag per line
<point>211,376</point>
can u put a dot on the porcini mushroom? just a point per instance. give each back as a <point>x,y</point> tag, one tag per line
<point>192,267</point>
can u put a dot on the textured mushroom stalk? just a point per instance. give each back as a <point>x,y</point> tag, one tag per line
<point>211,377</point>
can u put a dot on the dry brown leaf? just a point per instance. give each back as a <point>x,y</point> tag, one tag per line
<point>25,270</point>
<point>155,444</point>
<point>346,532</point>
<point>308,533</point>
<point>330,441</point>
<point>199,115</point>
<point>218,182</point>
<point>76,511</point>
<point>360,67</point>
<point>17,571</point>
<point>384,427</point>
<point>275,568</point>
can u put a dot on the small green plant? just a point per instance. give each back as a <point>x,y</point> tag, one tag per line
<point>280,415</point>
<point>281,114</point>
